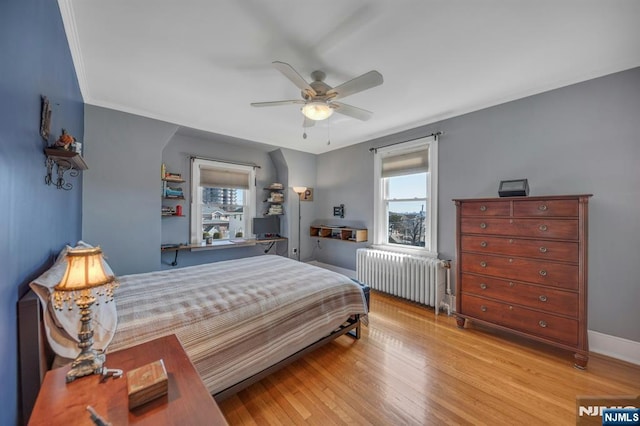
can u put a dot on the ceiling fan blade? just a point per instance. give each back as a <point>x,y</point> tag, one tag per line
<point>358,84</point>
<point>308,122</point>
<point>295,78</point>
<point>351,111</point>
<point>276,103</point>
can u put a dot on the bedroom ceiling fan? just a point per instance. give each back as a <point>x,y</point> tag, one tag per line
<point>319,99</point>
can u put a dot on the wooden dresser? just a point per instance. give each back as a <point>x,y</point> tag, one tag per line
<point>522,267</point>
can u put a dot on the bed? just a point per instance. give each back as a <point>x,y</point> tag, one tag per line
<point>238,320</point>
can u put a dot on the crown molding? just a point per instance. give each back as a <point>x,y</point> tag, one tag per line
<point>71,30</point>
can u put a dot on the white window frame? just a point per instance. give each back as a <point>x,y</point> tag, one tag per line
<point>196,194</point>
<point>380,214</point>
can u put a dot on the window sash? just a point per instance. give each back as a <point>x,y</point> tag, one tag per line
<point>216,174</point>
<point>381,213</point>
<point>387,212</point>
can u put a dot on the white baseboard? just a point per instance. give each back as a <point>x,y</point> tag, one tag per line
<point>615,347</point>
<point>348,272</point>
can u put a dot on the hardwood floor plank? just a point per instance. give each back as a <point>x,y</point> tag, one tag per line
<point>414,368</point>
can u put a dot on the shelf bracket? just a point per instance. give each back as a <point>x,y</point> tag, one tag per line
<point>62,167</point>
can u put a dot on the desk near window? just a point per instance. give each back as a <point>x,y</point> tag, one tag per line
<point>219,244</point>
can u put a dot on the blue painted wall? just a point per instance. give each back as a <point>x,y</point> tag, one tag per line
<point>36,220</point>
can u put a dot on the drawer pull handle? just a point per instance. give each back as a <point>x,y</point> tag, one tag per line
<point>483,286</point>
<point>483,264</point>
<point>542,207</point>
<point>483,225</point>
<point>543,227</point>
<point>543,249</point>
<point>511,284</point>
<point>483,244</point>
<point>542,324</point>
<point>483,208</point>
<point>543,273</point>
<point>483,308</point>
<point>542,298</point>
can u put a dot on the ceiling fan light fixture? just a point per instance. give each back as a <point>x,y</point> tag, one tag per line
<point>317,110</point>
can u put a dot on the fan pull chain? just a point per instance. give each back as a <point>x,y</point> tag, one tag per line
<point>329,131</point>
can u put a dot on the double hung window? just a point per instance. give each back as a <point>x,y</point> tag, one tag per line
<point>222,200</point>
<point>406,196</point>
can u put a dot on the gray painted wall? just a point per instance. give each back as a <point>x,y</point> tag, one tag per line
<point>176,155</point>
<point>578,139</point>
<point>121,190</point>
<point>345,176</point>
<point>301,171</point>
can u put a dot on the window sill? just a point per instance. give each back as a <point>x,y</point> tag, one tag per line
<point>405,250</point>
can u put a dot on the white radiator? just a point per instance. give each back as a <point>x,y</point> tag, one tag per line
<point>416,278</point>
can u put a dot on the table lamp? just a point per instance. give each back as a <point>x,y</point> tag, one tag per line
<point>83,280</point>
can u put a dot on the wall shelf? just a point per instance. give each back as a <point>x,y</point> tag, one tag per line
<point>275,200</point>
<point>64,161</point>
<point>173,180</point>
<point>341,233</point>
<point>172,193</point>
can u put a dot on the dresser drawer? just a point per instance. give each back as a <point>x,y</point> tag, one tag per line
<point>546,208</point>
<point>530,270</point>
<point>559,329</point>
<point>483,208</point>
<point>540,297</point>
<point>542,228</point>
<point>542,249</point>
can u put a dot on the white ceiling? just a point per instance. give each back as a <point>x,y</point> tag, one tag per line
<point>200,63</point>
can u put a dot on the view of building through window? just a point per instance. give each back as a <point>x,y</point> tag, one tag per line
<point>223,212</point>
<point>406,202</point>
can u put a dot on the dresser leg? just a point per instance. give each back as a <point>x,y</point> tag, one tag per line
<point>580,361</point>
<point>460,322</point>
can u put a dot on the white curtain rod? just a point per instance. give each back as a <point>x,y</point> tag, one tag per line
<point>436,134</point>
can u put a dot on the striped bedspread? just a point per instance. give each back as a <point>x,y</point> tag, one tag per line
<point>235,318</point>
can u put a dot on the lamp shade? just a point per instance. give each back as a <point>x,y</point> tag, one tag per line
<point>84,270</point>
<point>317,110</point>
<point>299,189</point>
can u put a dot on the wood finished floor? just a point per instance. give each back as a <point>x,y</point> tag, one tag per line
<point>413,368</point>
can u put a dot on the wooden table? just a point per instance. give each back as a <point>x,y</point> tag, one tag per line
<point>187,403</point>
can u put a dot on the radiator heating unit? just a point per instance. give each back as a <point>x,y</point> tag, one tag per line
<point>417,278</point>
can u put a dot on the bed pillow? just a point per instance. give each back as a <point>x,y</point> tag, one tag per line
<point>62,327</point>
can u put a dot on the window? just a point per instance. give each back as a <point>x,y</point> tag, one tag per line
<point>406,196</point>
<point>222,200</point>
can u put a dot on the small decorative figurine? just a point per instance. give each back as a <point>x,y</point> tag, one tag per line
<point>65,140</point>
